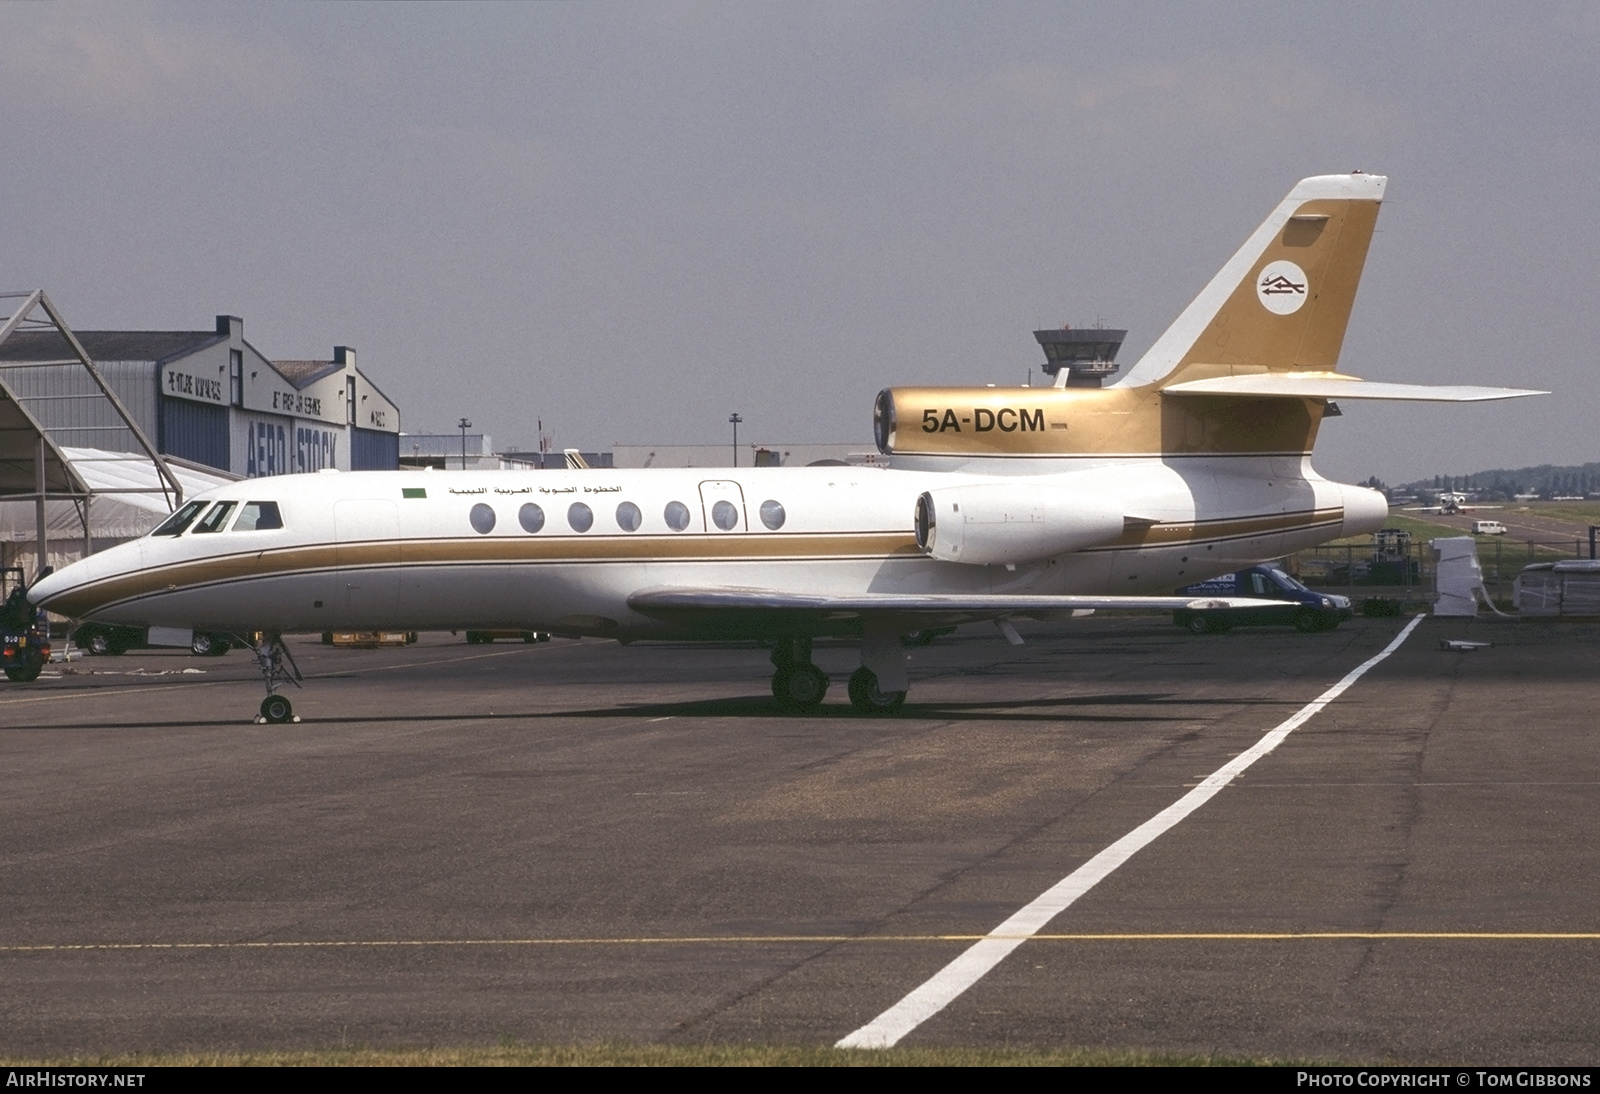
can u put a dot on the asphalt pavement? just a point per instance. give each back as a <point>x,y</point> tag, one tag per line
<point>580,842</point>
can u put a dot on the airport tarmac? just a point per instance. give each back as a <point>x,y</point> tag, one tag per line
<point>579,842</point>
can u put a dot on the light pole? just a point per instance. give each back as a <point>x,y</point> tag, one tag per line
<point>464,425</point>
<point>735,419</point>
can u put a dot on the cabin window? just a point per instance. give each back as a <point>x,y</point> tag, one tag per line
<point>531,517</point>
<point>482,518</point>
<point>628,517</point>
<point>772,514</point>
<point>725,516</point>
<point>216,518</point>
<point>258,516</point>
<point>676,515</point>
<point>580,516</point>
<point>177,522</point>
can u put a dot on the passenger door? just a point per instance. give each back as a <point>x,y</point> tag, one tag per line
<point>722,506</point>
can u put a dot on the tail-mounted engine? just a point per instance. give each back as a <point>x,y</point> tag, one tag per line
<point>1008,523</point>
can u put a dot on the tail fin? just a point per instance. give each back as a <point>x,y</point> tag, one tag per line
<point>1282,301</point>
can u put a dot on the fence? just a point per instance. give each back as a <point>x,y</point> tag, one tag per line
<point>1410,576</point>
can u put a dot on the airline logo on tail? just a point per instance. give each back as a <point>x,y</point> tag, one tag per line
<point>1281,287</point>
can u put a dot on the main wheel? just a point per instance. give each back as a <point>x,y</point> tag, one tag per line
<point>203,645</point>
<point>865,696</point>
<point>1307,620</point>
<point>276,709</point>
<point>799,687</point>
<point>97,643</point>
<point>1198,624</point>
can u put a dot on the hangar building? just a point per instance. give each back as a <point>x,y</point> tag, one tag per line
<point>208,397</point>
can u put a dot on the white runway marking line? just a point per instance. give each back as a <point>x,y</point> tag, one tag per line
<point>944,986</point>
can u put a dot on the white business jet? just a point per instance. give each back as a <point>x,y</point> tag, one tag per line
<point>997,503</point>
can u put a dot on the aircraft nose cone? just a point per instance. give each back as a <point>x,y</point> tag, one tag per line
<point>64,593</point>
<point>51,587</point>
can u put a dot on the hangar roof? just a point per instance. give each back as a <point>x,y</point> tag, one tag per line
<point>301,373</point>
<point>107,345</point>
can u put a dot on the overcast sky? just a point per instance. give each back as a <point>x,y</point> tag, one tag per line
<point>633,220</point>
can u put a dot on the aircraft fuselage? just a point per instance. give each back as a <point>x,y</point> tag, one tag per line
<point>565,550</point>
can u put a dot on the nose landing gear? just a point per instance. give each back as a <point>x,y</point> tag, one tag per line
<point>277,668</point>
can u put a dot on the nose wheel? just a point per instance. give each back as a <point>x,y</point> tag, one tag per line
<point>276,710</point>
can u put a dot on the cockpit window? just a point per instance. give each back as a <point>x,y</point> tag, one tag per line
<point>258,516</point>
<point>217,518</point>
<point>177,522</point>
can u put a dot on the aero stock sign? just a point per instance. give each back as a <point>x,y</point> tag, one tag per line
<point>271,445</point>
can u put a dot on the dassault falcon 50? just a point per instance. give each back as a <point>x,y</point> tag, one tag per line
<point>995,503</point>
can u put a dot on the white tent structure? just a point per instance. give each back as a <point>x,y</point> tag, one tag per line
<point>35,471</point>
<point>124,498</point>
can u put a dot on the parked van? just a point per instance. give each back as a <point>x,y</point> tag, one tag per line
<point>1302,608</point>
<point>1488,528</point>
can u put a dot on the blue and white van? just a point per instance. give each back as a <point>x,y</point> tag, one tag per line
<point>1303,609</point>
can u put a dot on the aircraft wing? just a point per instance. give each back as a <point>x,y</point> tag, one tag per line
<point>1333,385</point>
<point>699,605</point>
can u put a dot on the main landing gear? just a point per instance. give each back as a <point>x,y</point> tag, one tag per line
<point>799,686</point>
<point>277,668</point>
<point>868,698</point>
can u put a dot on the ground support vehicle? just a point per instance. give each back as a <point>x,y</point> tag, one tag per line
<point>368,640</point>
<point>475,637</point>
<point>1301,608</point>
<point>24,631</point>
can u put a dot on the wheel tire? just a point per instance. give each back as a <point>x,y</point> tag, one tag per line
<point>97,643</point>
<point>28,669</point>
<point>1307,620</point>
<point>799,687</point>
<point>865,696</point>
<point>276,709</point>
<point>203,645</point>
<point>1198,624</point>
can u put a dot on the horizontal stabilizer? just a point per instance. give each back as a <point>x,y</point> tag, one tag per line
<point>1332,385</point>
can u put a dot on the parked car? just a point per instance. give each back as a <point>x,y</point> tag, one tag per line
<point>1303,609</point>
<point>112,640</point>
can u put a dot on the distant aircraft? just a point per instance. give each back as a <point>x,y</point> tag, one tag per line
<point>1450,505</point>
<point>997,503</point>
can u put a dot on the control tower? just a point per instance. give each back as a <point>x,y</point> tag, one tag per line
<point>1088,354</point>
